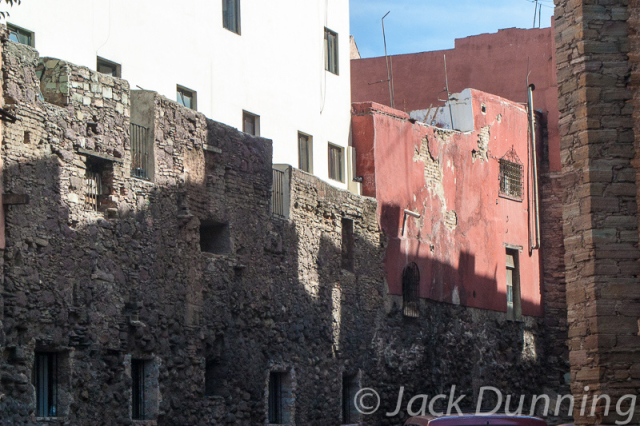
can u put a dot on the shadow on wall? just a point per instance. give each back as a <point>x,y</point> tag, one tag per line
<point>191,286</point>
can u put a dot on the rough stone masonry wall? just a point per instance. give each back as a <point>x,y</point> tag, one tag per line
<point>600,207</point>
<point>130,282</point>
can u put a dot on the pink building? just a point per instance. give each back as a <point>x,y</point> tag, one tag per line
<point>457,207</point>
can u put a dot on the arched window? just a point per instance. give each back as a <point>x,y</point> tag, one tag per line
<point>410,290</point>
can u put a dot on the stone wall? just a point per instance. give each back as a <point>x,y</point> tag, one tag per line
<point>597,93</point>
<point>192,276</point>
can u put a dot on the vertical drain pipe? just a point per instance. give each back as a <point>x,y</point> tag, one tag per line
<point>536,245</point>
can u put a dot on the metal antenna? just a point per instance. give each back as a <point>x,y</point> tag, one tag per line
<point>446,86</point>
<point>535,11</point>
<point>540,16</point>
<point>384,38</point>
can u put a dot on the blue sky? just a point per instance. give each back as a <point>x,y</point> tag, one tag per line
<point>424,25</point>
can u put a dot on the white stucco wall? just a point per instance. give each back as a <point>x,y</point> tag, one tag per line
<point>274,69</point>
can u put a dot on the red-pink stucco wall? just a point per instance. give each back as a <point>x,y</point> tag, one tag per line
<point>494,63</point>
<point>464,264</point>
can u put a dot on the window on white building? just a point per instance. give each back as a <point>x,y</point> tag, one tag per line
<point>20,35</point>
<point>330,51</point>
<point>186,97</point>
<point>305,152</point>
<point>250,123</point>
<point>231,15</point>
<point>107,67</point>
<point>336,163</point>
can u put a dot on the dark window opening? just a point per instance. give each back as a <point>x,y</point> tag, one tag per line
<point>107,67</point>
<point>410,290</point>
<point>275,397</point>
<point>45,381</point>
<point>140,152</point>
<point>213,378</point>
<point>231,15</point>
<point>336,163</point>
<point>138,389</point>
<point>347,244</point>
<point>514,308</point>
<point>21,35</point>
<point>330,51</point>
<point>186,97</point>
<point>511,181</point>
<point>305,153</point>
<point>250,123</point>
<point>215,238</point>
<point>349,390</point>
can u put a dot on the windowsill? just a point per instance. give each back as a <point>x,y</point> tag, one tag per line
<point>507,197</point>
<point>216,255</point>
<point>238,33</point>
<point>145,422</point>
<point>141,180</point>
<point>334,73</point>
<point>51,419</point>
<point>214,397</point>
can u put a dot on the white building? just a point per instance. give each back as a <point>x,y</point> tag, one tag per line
<point>277,68</point>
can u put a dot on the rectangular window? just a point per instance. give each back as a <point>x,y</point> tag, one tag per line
<point>186,97</point>
<point>94,189</point>
<point>20,35</point>
<point>140,152</point>
<point>275,397</point>
<point>213,378</point>
<point>45,378</point>
<point>305,153</point>
<point>336,163</point>
<point>330,51</point>
<point>511,181</point>
<point>231,15</point>
<point>514,309</point>
<point>138,389</point>
<point>107,67</point>
<point>250,123</point>
<point>281,402</point>
<point>347,244</point>
<point>349,389</point>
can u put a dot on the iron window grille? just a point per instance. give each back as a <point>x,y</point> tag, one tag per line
<point>20,35</point>
<point>275,397</point>
<point>94,189</point>
<point>277,193</point>
<point>336,163</point>
<point>140,155</point>
<point>410,290</point>
<point>511,176</point>
<point>330,51</point>
<point>46,384</point>
<point>349,391</point>
<point>138,396</point>
<point>231,15</point>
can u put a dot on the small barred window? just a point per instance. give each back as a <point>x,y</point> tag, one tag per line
<point>511,181</point>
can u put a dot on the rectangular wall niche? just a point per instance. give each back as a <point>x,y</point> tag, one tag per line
<point>347,245</point>
<point>215,237</point>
